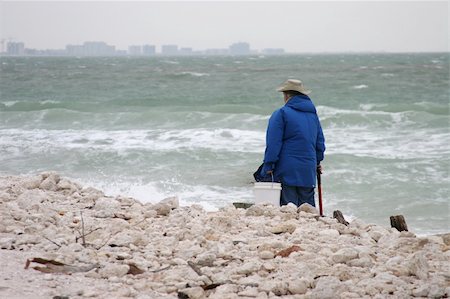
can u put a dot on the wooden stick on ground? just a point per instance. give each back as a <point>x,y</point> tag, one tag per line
<point>340,218</point>
<point>399,223</point>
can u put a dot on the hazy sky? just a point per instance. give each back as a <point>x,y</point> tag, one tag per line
<point>296,26</point>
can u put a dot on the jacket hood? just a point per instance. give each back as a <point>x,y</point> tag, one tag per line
<point>301,103</point>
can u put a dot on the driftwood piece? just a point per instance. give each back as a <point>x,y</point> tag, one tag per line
<point>399,223</point>
<point>134,270</point>
<point>195,268</point>
<point>52,266</point>
<point>339,217</point>
<point>286,252</point>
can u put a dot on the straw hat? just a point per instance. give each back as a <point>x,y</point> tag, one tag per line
<point>293,84</point>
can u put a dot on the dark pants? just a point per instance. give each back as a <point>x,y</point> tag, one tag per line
<point>297,195</point>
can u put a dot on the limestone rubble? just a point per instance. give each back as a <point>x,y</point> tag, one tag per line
<point>118,247</point>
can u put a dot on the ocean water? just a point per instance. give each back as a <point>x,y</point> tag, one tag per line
<point>194,127</point>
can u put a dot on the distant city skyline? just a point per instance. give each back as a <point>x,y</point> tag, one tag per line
<point>100,48</point>
<point>296,26</point>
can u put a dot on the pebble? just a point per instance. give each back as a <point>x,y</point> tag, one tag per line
<point>266,255</point>
<point>298,286</point>
<point>344,255</point>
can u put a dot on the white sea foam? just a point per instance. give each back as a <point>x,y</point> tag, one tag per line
<point>194,74</point>
<point>326,112</point>
<point>50,102</point>
<point>231,140</point>
<point>361,86</point>
<point>10,103</point>
<point>153,192</point>
<point>387,143</point>
<point>366,107</point>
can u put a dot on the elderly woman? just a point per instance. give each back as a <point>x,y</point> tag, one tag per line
<point>295,145</point>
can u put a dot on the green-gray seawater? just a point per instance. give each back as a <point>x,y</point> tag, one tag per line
<point>195,127</point>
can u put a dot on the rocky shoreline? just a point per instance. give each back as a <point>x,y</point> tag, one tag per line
<point>62,240</point>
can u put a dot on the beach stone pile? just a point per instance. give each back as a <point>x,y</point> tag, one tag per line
<point>117,247</point>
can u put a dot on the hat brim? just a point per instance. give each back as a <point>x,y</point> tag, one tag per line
<point>303,91</point>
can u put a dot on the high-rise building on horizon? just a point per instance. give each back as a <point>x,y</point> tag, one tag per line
<point>169,50</point>
<point>15,48</point>
<point>91,49</point>
<point>240,48</point>
<point>185,51</point>
<point>148,50</point>
<point>135,50</point>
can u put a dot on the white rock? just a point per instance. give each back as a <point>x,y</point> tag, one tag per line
<point>65,184</point>
<point>328,220</point>
<point>435,239</point>
<point>128,237</point>
<point>193,293</point>
<point>447,291</point>
<point>248,267</point>
<point>286,227</point>
<point>329,233</point>
<point>298,286</point>
<point>32,182</point>
<point>31,199</point>
<point>188,252</point>
<point>376,232</point>
<point>252,280</point>
<point>172,202</point>
<point>50,183</point>
<point>7,243</point>
<point>267,286</point>
<point>344,255</point>
<point>255,210</point>
<point>418,265</point>
<point>105,207</point>
<point>436,291</point>
<point>266,255</point>
<point>225,290</point>
<point>388,239</point>
<point>327,287</point>
<point>90,193</point>
<point>364,262</point>
<point>149,213</point>
<point>114,270</point>
<point>162,209</point>
<point>306,207</point>
<point>289,208</point>
<point>249,292</point>
<point>358,224</point>
<point>280,288</point>
<point>5,196</point>
<point>53,174</point>
<point>206,259</point>
<point>421,290</point>
<point>127,201</point>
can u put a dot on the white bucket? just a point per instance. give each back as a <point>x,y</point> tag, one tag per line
<point>267,192</point>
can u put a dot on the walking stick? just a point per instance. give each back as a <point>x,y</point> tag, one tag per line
<point>319,187</point>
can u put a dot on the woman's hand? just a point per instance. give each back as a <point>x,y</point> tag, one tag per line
<point>319,169</point>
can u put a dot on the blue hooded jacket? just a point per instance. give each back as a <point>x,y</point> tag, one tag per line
<point>295,144</point>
